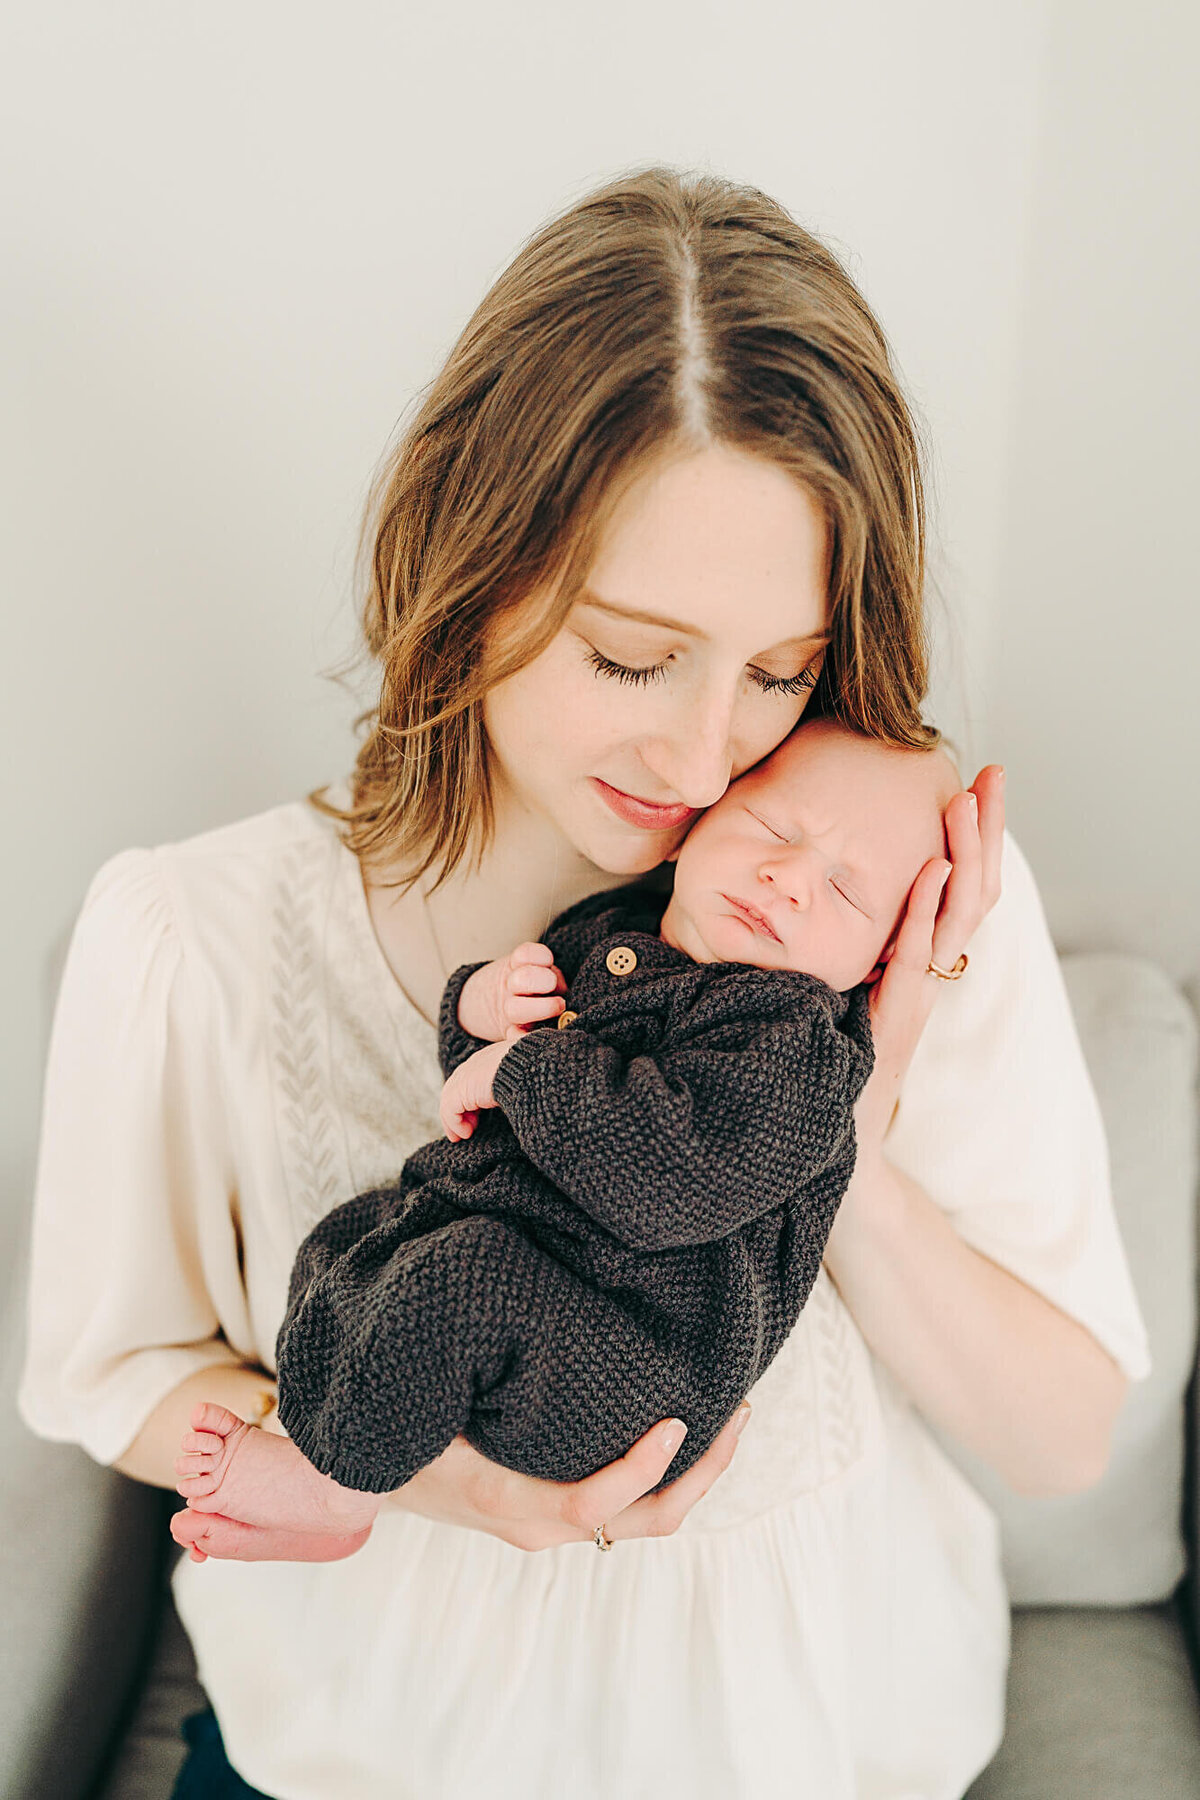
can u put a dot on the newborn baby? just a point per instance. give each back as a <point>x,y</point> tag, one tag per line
<point>630,1207</point>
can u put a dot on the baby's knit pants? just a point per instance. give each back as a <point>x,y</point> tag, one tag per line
<point>412,1319</point>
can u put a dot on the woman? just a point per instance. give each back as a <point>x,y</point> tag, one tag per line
<point>664,496</point>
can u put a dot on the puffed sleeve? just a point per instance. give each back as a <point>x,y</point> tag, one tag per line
<point>999,1123</point>
<point>133,1225</point>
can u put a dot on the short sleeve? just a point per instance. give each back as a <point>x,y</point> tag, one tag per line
<point>133,1228</point>
<point>999,1123</point>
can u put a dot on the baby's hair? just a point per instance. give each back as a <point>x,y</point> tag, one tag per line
<point>663,313</point>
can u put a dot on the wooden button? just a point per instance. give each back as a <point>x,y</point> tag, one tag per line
<point>621,960</point>
<point>564,1018</point>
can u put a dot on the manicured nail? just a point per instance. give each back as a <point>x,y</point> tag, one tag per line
<point>740,1421</point>
<point>974,804</point>
<point>674,1435</point>
<point>946,875</point>
<point>1003,774</point>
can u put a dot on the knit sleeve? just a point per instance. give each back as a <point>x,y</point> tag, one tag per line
<point>133,1225</point>
<point>748,1100</point>
<point>455,1044</point>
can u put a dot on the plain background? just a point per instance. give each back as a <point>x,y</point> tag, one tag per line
<point>239,239</point>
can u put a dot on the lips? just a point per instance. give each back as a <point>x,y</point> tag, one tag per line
<point>758,921</point>
<point>645,813</point>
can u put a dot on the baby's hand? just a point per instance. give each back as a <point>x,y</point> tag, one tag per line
<point>516,990</point>
<point>470,1088</point>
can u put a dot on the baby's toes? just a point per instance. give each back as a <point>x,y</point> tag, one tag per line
<point>208,1416</point>
<point>198,1472</point>
<point>186,1528</point>
<point>199,1442</point>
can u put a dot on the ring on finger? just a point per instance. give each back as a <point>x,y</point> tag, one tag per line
<point>953,974</point>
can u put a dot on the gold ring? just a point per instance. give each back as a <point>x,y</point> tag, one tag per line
<point>601,1542</point>
<point>949,974</point>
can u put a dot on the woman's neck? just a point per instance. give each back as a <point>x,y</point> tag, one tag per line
<point>526,876</point>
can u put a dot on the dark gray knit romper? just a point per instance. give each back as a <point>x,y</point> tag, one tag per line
<point>628,1236</point>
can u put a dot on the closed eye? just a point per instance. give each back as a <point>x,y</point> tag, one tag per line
<point>632,676</point>
<point>768,827</point>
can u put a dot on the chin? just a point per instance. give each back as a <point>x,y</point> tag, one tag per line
<point>635,853</point>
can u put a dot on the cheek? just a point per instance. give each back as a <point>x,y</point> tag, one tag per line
<point>556,718</point>
<point>760,726</point>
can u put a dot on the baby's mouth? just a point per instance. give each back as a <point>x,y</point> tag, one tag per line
<point>758,921</point>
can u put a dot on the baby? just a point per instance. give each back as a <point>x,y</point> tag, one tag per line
<point>629,1210</point>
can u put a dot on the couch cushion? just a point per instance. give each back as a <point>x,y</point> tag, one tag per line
<point>152,1753</point>
<point>1121,1542</point>
<point>1101,1706</point>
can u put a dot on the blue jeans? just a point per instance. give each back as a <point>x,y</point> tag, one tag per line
<point>206,1775</point>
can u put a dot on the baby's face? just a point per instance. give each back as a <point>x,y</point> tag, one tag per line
<point>806,862</point>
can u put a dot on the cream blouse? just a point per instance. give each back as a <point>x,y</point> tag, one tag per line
<point>231,1056</point>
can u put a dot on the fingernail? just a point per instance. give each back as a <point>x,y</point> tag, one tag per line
<point>740,1421</point>
<point>946,875</point>
<point>1004,774</point>
<point>974,803</point>
<point>674,1435</point>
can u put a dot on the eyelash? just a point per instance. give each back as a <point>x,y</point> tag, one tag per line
<point>802,683</point>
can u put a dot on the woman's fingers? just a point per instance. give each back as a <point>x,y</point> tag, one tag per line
<point>618,1496</point>
<point>961,905</point>
<point>911,953</point>
<point>598,1498</point>
<point>988,788</point>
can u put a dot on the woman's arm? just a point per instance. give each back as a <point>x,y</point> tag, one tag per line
<point>462,1487</point>
<point>976,1349</point>
<point>245,1391</point>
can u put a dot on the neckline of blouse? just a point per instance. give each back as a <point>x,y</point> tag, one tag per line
<point>402,1009</point>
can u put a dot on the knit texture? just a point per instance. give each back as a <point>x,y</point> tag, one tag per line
<point>629,1235</point>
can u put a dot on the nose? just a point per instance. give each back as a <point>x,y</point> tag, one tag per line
<point>787,871</point>
<point>694,756</point>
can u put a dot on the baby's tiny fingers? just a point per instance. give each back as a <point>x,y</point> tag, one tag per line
<point>532,953</point>
<point>531,978</point>
<point>524,1009</point>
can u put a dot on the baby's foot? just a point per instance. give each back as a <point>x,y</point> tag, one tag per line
<point>254,1477</point>
<point>208,1534</point>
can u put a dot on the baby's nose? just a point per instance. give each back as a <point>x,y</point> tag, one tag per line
<point>789,879</point>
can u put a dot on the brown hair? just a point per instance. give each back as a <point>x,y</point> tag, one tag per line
<point>663,312</point>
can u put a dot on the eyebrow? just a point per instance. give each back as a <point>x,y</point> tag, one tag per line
<point>587,598</point>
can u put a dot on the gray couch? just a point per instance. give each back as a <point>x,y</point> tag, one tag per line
<point>1103,1697</point>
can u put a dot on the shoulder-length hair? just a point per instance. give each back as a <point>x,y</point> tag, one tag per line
<point>663,312</point>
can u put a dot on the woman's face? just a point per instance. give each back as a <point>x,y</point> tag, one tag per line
<point>690,656</point>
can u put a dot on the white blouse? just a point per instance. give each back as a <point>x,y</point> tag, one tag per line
<point>231,1057</point>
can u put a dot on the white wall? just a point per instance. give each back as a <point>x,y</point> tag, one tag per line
<point>1094,652</point>
<point>239,238</point>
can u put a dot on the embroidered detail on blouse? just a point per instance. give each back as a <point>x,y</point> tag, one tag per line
<point>816,1416</point>
<point>315,1173</point>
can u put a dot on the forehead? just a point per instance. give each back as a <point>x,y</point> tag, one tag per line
<point>874,803</point>
<point>725,543</point>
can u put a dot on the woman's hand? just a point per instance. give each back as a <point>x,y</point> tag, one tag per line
<point>903,996</point>
<point>461,1487</point>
